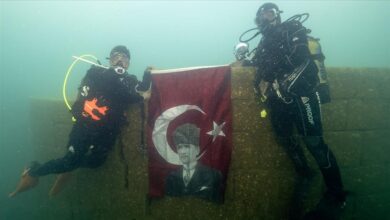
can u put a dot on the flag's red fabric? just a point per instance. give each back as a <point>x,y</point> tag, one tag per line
<point>199,96</point>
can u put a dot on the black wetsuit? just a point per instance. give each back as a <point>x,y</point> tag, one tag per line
<point>103,98</point>
<point>283,60</point>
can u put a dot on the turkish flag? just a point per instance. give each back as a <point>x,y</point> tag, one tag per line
<point>190,111</point>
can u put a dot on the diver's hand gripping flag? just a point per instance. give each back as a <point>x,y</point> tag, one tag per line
<point>198,96</point>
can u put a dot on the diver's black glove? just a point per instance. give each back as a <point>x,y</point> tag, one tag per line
<point>146,80</point>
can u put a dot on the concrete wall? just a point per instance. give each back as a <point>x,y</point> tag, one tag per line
<point>260,182</point>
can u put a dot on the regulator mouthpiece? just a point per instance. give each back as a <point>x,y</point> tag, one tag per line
<point>119,70</point>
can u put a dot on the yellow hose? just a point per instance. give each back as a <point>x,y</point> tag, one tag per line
<point>66,80</point>
<point>67,76</point>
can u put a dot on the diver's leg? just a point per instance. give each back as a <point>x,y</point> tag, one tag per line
<point>96,157</point>
<point>69,162</point>
<point>30,176</point>
<point>93,156</point>
<point>63,166</point>
<point>79,139</point>
<point>283,120</point>
<point>311,130</point>
<point>334,199</point>
<point>304,178</point>
<point>75,158</point>
<point>294,151</point>
<point>327,164</point>
<point>100,148</point>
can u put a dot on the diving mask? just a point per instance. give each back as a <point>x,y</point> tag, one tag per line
<point>118,59</point>
<point>265,18</point>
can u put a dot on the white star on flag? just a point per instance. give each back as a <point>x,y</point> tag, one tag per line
<point>217,130</point>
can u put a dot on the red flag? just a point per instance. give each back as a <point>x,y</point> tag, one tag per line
<point>190,113</point>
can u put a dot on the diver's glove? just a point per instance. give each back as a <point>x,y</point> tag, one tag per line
<point>146,80</point>
<point>144,88</point>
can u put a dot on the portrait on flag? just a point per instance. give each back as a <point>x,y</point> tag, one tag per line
<point>192,178</point>
<point>190,132</point>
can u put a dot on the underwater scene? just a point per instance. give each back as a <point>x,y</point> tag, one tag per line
<point>194,110</point>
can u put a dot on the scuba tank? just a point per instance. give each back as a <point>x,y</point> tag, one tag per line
<point>318,58</point>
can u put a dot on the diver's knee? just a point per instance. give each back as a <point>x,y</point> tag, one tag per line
<point>71,163</point>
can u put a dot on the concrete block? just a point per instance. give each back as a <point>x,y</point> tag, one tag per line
<point>366,83</point>
<point>367,115</point>
<point>246,117</point>
<point>258,152</point>
<point>242,82</point>
<point>375,148</point>
<point>374,206</point>
<point>366,180</point>
<point>334,115</point>
<point>184,208</point>
<point>342,83</point>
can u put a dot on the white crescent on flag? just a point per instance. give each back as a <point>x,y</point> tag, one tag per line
<point>160,130</point>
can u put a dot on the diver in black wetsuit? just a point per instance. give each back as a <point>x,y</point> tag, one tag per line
<point>104,96</point>
<point>286,78</point>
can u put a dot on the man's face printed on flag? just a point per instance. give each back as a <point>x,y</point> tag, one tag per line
<point>187,153</point>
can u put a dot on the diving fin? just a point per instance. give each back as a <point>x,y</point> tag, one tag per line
<point>26,182</point>
<point>61,180</point>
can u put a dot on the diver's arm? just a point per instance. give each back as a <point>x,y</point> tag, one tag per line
<point>131,83</point>
<point>262,79</point>
<point>266,64</point>
<point>299,50</point>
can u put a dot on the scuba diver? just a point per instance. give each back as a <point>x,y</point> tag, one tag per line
<point>104,96</point>
<point>286,80</point>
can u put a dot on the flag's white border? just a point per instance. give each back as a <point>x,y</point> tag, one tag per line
<point>184,69</point>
